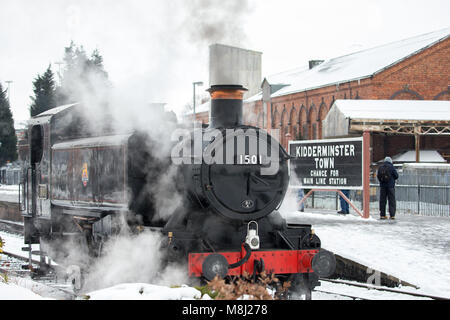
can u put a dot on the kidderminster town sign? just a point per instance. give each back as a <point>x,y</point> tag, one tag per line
<point>330,164</point>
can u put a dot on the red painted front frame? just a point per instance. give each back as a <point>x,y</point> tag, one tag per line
<point>275,261</point>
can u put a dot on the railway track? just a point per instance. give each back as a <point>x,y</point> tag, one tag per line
<point>14,266</point>
<point>353,297</point>
<point>52,285</point>
<point>11,226</point>
<point>378,288</point>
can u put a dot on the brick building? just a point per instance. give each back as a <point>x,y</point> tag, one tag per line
<point>297,101</point>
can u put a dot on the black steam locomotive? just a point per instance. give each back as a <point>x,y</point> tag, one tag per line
<point>84,180</point>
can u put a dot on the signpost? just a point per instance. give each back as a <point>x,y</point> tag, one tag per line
<point>332,165</point>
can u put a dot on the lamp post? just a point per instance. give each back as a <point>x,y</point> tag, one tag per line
<point>199,83</point>
<point>59,63</point>
<point>9,92</point>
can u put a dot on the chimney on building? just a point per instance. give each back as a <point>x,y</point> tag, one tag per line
<point>314,63</point>
<point>235,66</point>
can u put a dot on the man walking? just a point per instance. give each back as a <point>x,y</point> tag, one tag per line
<point>386,176</point>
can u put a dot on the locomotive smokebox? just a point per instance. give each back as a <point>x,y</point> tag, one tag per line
<point>226,106</point>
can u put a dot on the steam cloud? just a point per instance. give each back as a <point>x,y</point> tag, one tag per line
<point>127,257</point>
<point>138,258</point>
<point>134,259</point>
<point>215,21</point>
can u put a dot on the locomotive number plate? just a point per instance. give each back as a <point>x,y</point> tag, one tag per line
<point>250,159</point>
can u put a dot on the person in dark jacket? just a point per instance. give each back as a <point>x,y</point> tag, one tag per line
<point>386,176</point>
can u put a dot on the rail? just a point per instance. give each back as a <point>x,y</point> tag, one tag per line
<point>379,288</point>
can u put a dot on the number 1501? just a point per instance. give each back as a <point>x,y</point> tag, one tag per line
<point>250,159</point>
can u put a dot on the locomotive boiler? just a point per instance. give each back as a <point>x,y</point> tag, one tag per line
<point>84,181</point>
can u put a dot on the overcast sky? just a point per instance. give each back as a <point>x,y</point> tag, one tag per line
<point>155,49</point>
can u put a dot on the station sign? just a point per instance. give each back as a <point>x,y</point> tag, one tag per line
<point>327,164</point>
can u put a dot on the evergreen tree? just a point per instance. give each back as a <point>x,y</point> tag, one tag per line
<point>8,139</point>
<point>44,93</point>
<point>84,78</point>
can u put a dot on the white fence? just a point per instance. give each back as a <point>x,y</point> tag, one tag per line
<point>427,195</point>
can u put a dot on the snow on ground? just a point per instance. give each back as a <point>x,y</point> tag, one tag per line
<point>145,291</point>
<point>411,248</point>
<point>13,243</point>
<point>353,291</point>
<point>11,291</point>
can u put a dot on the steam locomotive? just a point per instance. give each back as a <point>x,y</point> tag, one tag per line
<point>84,181</point>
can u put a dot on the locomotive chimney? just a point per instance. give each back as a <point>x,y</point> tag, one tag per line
<point>234,73</point>
<point>226,106</point>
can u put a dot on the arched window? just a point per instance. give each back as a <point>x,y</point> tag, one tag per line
<point>305,131</point>
<point>312,121</point>
<point>406,94</point>
<point>322,114</point>
<point>275,118</point>
<point>302,121</point>
<point>444,95</point>
<point>259,121</point>
<point>283,126</point>
<point>283,117</point>
<point>291,122</point>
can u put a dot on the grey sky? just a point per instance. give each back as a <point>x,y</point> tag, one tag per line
<point>156,49</point>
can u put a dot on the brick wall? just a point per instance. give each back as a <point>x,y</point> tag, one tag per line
<point>422,76</point>
<point>299,115</point>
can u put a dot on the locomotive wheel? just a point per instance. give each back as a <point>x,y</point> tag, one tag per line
<point>324,263</point>
<point>215,265</point>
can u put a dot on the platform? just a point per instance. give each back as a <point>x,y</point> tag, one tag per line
<point>9,193</point>
<point>413,248</point>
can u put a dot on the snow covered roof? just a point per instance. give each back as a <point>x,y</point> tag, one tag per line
<point>355,66</point>
<point>55,110</point>
<point>425,156</point>
<point>419,110</point>
<point>204,107</point>
<point>101,141</point>
<point>419,165</point>
<point>254,98</point>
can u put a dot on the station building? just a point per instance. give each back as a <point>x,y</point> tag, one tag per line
<point>297,101</point>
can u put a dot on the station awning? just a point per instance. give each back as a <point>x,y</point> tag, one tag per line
<point>388,116</point>
<point>402,117</point>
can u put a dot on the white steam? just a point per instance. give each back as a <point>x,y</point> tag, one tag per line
<point>134,259</point>
<point>290,203</point>
<point>138,258</point>
<point>216,21</point>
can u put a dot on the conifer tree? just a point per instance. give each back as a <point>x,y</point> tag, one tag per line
<point>8,139</point>
<point>84,78</point>
<point>44,93</point>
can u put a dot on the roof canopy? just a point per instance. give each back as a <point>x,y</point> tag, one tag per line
<point>388,116</point>
<point>425,156</point>
<point>418,110</point>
